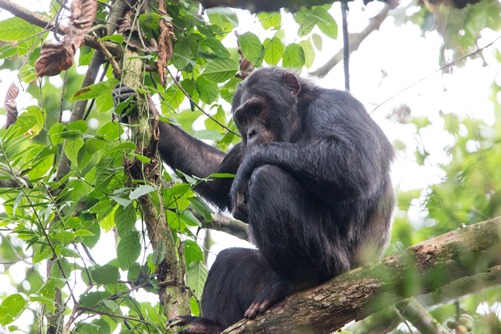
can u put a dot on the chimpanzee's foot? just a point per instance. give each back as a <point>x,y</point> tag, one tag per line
<point>272,293</point>
<point>196,325</point>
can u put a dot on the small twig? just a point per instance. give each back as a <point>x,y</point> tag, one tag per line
<point>452,63</point>
<point>220,222</point>
<point>355,41</point>
<point>200,108</point>
<point>419,316</point>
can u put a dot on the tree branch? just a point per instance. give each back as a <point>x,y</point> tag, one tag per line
<point>473,251</point>
<point>355,41</point>
<point>220,222</point>
<point>144,133</point>
<point>47,24</point>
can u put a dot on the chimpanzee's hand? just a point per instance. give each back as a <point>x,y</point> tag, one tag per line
<point>121,93</point>
<point>240,187</point>
<point>239,201</point>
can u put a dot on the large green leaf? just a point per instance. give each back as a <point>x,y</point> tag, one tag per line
<point>309,53</point>
<point>270,20</point>
<point>294,56</point>
<point>197,275</point>
<point>251,48</point>
<point>125,219</point>
<point>325,22</point>
<point>221,70</point>
<point>128,250</point>
<point>11,308</point>
<point>71,147</point>
<point>273,50</point>
<point>106,274</point>
<point>141,190</point>
<point>16,29</point>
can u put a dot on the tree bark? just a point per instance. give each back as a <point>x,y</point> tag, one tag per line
<point>144,132</point>
<point>472,251</point>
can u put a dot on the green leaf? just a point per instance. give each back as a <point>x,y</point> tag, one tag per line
<point>106,274</point>
<point>207,90</point>
<point>196,277</point>
<point>71,148</point>
<point>91,241</point>
<point>309,53</point>
<point>221,70</point>
<point>46,295</point>
<point>125,219</point>
<point>16,29</point>
<point>202,208</point>
<point>39,115</point>
<point>111,131</point>
<point>41,253</point>
<point>83,233</point>
<point>140,191</point>
<point>108,222</point>
<point>128,250</point>
<point>189,218</point>
<point>223,19</point>
<point>117,38</point>
<point>306,22</point>
<point>7,51</point>
<point>270,20</point>
<point>93,91</point>
<point>77,126</point>
<point>11,308</point>
<point>91,299</point>
<point>326,22</point>
<point>294,56</point>
<point>192,252</point>
<point>27,73</point>
<point>251,48</point>
<point>64,236</point>
<point>183,53</point>
<point>273,50</point>
<point>55,133</point>
<point>317,41</point>
<point>215,45</point>
<point>208,135</point>
<point>122,201</point>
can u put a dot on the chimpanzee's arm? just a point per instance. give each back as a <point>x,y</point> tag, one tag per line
<point>183,152</point>
<point>341,151</point>
<point>193,157</point>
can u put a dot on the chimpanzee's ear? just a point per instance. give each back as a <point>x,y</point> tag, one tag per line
<point>292,82</point>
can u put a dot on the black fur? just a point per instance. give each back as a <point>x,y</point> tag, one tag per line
<point>312,181</point>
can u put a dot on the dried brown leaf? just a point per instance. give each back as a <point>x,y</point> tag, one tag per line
<point>11,105</point>
<point>83,13</point>
<point>54,59</point>
<point>165,48</point>
<point>57,57</point>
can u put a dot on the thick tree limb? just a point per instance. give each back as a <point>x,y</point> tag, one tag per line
<point>423,268</point>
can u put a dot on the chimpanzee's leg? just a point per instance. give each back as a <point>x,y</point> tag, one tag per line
<point>235,279</point>
<point>291,235</point>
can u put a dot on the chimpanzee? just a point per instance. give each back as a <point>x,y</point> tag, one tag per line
<point>312,180</point>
